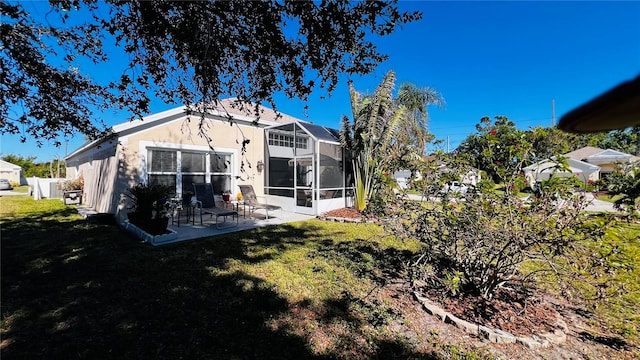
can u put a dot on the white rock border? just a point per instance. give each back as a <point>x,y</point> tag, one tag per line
<point>346,220</point>
<point>154,240</point>
<point>545,340</point>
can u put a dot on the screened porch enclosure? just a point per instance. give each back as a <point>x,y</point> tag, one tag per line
<point>305,169</point>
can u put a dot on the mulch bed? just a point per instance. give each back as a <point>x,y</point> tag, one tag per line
<point>510,311</point>
<point>347,213</point>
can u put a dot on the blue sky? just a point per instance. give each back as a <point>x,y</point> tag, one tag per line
<point>486,58</point>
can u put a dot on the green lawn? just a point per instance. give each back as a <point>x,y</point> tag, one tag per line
<point>22,189</point>
<point>612,288</point>
<point>302,291</point>
<point>305,290</point>
<point>608,198</point>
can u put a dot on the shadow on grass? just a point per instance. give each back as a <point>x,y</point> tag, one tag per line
<point>610,341</point>
<point>71,289</point>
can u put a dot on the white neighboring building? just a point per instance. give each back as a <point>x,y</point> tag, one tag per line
<point>544,169</point>
<point>587,163</point>
<point>607,160</point>
<point>472,177</point>
<point>11,172</point>
<point>402,178</point>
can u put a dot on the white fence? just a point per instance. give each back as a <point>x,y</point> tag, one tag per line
<point>45,188</point>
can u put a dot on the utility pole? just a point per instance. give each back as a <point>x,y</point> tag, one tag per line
<point>447,144</point>
<point>553,112</point>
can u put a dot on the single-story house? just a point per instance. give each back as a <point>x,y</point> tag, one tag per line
<point>587,163</point>
<point>291,163</point>
<point>606,160</point>
<point>544,169</point>
<point>11,172</point>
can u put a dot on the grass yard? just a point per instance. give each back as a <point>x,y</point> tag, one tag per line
<point>616,277</point>
<point>21,189</point>
<point>608,198</point>
<point>305,290</point>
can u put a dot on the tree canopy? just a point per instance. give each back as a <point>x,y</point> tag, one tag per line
<point>182,52</point>
<point>497,144</point>
<point>31,168</point>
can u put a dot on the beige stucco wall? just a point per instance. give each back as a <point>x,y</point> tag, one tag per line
<point>100,169</point>
<point>183,134</point>
<point>110,170</point>
<point>607,168</point>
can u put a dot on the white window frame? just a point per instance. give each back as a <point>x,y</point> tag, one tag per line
<point>146,146</point>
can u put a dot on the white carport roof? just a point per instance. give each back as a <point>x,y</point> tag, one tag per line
<point>549,165</point>
<point>609,156</point>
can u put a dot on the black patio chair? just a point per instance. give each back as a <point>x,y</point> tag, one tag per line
<point>207,204</point>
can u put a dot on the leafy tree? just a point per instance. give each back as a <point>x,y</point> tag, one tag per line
<point>498,148</point>
<point>625,184</point>
<point>627,140</point>
<point>186,52</point>
<point>30,168</point>
<point>476,242</point>
<point>548,142</point>
<point>496,144</point>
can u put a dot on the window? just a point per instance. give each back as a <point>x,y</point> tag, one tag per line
<point>193,162</point>
<point>302,142</point>
<point>163,167</point>
<point>286,140</point>
<point>192,169</point>
<point>180,169</point>
<point>220,172</point>
<point>279,139</point>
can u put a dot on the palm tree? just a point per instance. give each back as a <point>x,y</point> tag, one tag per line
<point>385,129</point>
<point>416,100</point>
<point>375,122</point>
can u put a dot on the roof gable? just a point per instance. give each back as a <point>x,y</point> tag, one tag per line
<point>231,106</point>
<point>610,156</point>
<point>8,165</point>
<point>573,165</point>
<point>610,152</point>
<point>583,153</point>
<point>220,111</point>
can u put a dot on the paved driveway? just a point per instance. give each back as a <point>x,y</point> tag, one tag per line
<point>11,193</point>
<point>598,205</point>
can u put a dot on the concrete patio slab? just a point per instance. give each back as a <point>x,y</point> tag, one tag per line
<point>256,220</point>
<point>189,231</point>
